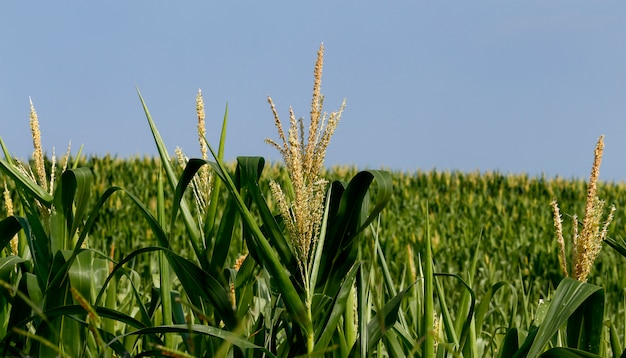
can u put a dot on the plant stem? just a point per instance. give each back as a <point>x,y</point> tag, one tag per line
<point>166,302</point>
<point>310,341</point>
<point>429,339</point>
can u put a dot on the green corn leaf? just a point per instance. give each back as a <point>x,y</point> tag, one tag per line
<point>328,329</point>
<point>561,352</point>
<point>351,202</point>
<point>227,222</point>
<point>223,237</point>
<point>616,345</point>
<point>346,219</point>
<point>619,244</point>
<point>58,330</point>
<point>75,185</point>
<point>9,227</point>
<point>211,213</point>
<point>585,325</point>
<point>197,281</point>
<point>191,276</point>
<point>70,206</point>
<point>447,320</point>
<point>188,219</point>
<point>73,312</point>
<point>486,298</point>
<point>248,172</point>
<point>5,151</point>
<point>192,167</point>
<point>392,344</point>
<point>7,265</point>
<point>103,312</point>
<point>119,269</point>
<point>319,248</point>
<point>364,297</point>
<point>244,285</point>
<point>228,336</point>
<point>523,350</point>
<point>153,222</point>
<point>266,253</point>
<point>39,245</point>
<point>510,344</point>
<point>27,184</point>
<point>467,317</point>
<point>82,272</point>
<point>568,297</point>
<point>381,323</point>
<point>90,220</point>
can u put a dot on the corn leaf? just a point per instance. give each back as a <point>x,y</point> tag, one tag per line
<point>568,297</point>
<point>562,352</point>
<point>9,227</point>
<point>26,183</point>
<point>347,217</point>
<point>268,257</point>
<point>619,244</point>
<point>7,265</point>
<point>383,321</point>
<point>192,229</point>
<point>228,336</point>
<point>248,173</point>
<point>327,330</point>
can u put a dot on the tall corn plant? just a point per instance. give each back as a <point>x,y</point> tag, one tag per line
<point>45,274</point>
<point>60,297</point>
<point>294,292</point>
<point>575,314</point>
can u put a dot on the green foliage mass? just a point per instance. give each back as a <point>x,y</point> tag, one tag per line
<point>509,214</point>
<point>494,232</point>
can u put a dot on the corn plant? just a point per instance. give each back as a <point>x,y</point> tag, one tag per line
<point>286,298</point>
<point>44,279</point>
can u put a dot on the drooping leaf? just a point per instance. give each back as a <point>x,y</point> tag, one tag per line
<point>619,244</point>
<point>7,265</point>
<point>198,282</point>
<point>348,215</point>
<point>228,336</point>
<point>562,352</point>
<point>9,227</point>
<point>268,257</point>
<point>25,183</point>
<point>188,219</point>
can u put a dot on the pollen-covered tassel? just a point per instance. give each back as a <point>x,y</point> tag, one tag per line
<point>38,154</point>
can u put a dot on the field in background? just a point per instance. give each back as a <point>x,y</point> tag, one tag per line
<point>506,220</point>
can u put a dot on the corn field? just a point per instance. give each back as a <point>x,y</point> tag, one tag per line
<point>171,256</point>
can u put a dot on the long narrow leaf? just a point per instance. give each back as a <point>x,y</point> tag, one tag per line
<point>24,182</point>
<point>211,213</point>
<point>569,295</point>
<point>8,228</point>
<point>198,329</point>
<point>193,231</point>
<point>383,321</point>
<point>619,244</point>
<point>250,170</point>
<point>269,259</point>
<point>338,310</point>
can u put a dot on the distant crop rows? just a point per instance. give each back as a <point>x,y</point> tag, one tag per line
<point>507,218</point>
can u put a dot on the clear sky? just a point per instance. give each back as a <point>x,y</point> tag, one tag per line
<point>508,86</point>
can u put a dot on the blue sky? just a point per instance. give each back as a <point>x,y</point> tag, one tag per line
<point>510,86</point>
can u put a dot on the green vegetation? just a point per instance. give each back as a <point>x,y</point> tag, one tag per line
<point>194,257</point>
